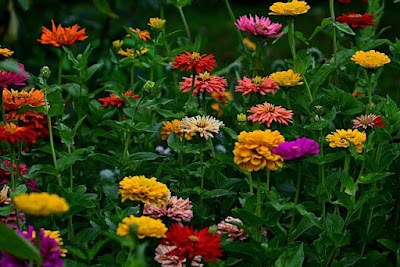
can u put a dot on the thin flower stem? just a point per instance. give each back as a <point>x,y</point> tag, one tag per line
<point>258,208</point>
<point>267,184</point>
<point>203,95</point>
<point>296,199</point>
<point>164,31</point>
<point>292,44</point>
<point>369,88</point>
<point>201,165</point>
<point>322,169</point>
<point>250,179</point>
<point>60,67</point>
<point>308,89</point>
<point>334,38</point>
<point>3,114</point>
<point>154,64</point>
<point>53,151</point>
<point>12,161</point>
<point>132,76</point>
<point>185,24</point>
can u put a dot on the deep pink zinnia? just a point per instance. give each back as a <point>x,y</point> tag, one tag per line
<point>268,113</point>
<point>296,149</point>
<point>259,26</point>
<point>13,78</point>
<point>204,83</point>
<point>262,85</point>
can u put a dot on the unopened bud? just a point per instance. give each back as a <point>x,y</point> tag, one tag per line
<point>149,86</point>
<point>213,229</point>
<point>241,117</point>
<point>318,109</point>
<point>316,118</point>
<point>79,56</point>
<point>117,44</point>
<point>45,72</point>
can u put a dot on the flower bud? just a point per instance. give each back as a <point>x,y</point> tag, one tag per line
<point>45,72</point>
<point>213,229</point>
<point>318,109</point>
<point>316,118</point>
<point>149,86</point>
<point>79,56</point>
<point>117,44</point>
<point>241,117</point>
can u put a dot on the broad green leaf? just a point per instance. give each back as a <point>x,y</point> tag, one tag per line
<point>390,244</point>
<point>294,257</point>
<point>348,182</point>
<point>110,160</point>
<point>325,22</point>
<point>372,177</point>
<point>217,193</point>
<point>231,132</point>
<point>67,161</point>
<point>248,218</point>
<point>343,28</point>
<point>175,142</point>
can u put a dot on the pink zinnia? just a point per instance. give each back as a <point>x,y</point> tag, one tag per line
<point>259,26</point>
<point>257,85</point>
<point>177,209</point>
<point>234,232</point>
<point>13,78</point>
<point>5,175</point>
<point>204,83</point>
<point>368,120</point>
<point>267,113</point>
<point>167,260</point>
<point>10,220</point>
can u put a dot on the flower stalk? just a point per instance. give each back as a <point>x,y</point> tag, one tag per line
<point>185,24</point>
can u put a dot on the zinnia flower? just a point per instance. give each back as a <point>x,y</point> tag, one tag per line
<point>357,20</point>
<point>268,113</point>
<point>146,227</point>
<point>357,94</point>
<point>49,249</point>
<point>8,78</point>
<point>249,44</point>
<point>133,53</point>
<point>62,36</point>
<point>233,231</point>
<point>117,44</point>
<point>173,126</point>
<point>115,100</point>
<point>32,185</point>
<point>342,138</point>
<point>259,26</point>
<point>200,63</point>
<point>286,78</point>
<point>6,52</point>
<point>156,23</point>
<point>144,35</point>
<point>13,133</point>
<point>293,8</point>
<point>204,82</point>
<point>296,149</point>
<point>261,85</point>
<point>190,243</point>
<point>224,97</point>
<point>177,209</point>
<point>368,120</point>
<point>38,125</point>
<point>162,256</point>
<point>370,59</point>
<point>13,100</point>
<point>253,152</point>
<point>41,204</point>
<point>206,126</point>
<point>11,219</point>
<point>144,189</point>
<point>5,175</point>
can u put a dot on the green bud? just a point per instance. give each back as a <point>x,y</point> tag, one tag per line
<point>149,86</point>
<point>241,117</point>
<point>45,72</point>
<point>213,229</point>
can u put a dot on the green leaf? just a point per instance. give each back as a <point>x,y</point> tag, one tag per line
<point>230,132</point>
<point>144,156</point>
<point>323,122</point>
<point>348,182</point>
<point>96,247</point>
<point>104,7</point>
<point>39,169</point>
<point>311,216</point>
<point>248,218</point>
<point>345,201</point>
<point>67,161</point>
<point>110,160</point>
<point>175,142</point>
<point>180,3</point>
<point>320,76</point>
<point>390,244</point>
<point>293,258</point>
<point>217,193</point>
<point>6,211</point>
<point>372,177</point>
<point>325,22</point>
<point>343,27</point>
<point>13,243</point>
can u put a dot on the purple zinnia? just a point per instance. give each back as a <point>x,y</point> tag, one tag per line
<point>49,250</point>
<point>13,78</point>
<point>259,26</point>
<point>296,149</point>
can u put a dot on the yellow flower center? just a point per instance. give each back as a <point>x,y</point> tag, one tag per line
<point>355,16</point>
<point>195,56</point>
<point>201,123</point>
<point>204,76</point>
<point>193,238</point>
<point>257,79</point>
<point>269,108</point>
<point>10,127</point>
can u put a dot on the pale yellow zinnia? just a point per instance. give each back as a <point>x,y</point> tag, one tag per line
<point>206,126</point>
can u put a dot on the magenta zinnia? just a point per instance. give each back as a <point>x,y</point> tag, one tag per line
<point>296,149</point>
<point>268,113</point>
<point>368,120</point>
<point>13,78</point>
<point>204,82</point>
<point>259,26</point>
<point>261,85</point>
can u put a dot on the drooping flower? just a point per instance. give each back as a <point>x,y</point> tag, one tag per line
<point>115,100</point>
<point>249,44</point>
<point>41,204</point>
<point>286,78</point>
<point>190,243</point>
<point>261,85</point>
<point>233,231</point>
<point>13,100</point>
<point>133,53</point>
<point>144,35</point>
<point>13,134</point>
<point>62,36</point>
<point>145,227</point>
<point>156,23</point>
<point>11,219</point>
<point>8,78</point>
<point>343,138</point>
<point>268,113</point>
<point>173,126</point>
<point>162,256</point>
<point>370,59</point>
<point>177,209</point>
<point>296,149</point>
<point>259,26</point>
<point>146,190</point>
<point>225,97</point>
<point>6,52</point>
<point>293,8</point>
<point>253,152</point>
<point>357,20</point>
<point>200,63</point>
<point>204,82</point>
<point>206,126</point>
<point>368,120</point>
<point>49,249</point>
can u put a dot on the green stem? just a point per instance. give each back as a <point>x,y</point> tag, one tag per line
<point>369,88</point>
<point>60,66</point>
<point>322,169</point>
<point>132,76</point>
<point>333,18</point>
<point>3,114</point>
<point>289,106</point>
<point>267,184</point>
<point>201,165</point>
<point>71,173</point>
<point>296,199</point>
<point>203,95</point>
<point>12,161</point>
<point>164,31</point>
<point>308,89</point>
<point>250,179</point>
<point>71,233</point>
<point>154,64</point>
<point>19,146</point>
<point>185,24</point>
<point>292,44</point>
<point>258,207</point>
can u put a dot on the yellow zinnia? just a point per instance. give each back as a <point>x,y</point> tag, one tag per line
<point>253,152</point>
<point>156,23</point>
<point>370,59</point>
<point>249,44</point>
<point>293,8</point>
<point>144,189</point>
<point>6,52</point>
<point>146,227</point>
<point>56,236</point>
<point>131,53</point>
<point>342,138</point>
<point>286,78</point>
<point>118,43</point>
<point>41,204</point>
<point>173,126</point>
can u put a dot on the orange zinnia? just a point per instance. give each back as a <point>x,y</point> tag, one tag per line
<point>13,133</point>
<point>13,100</point>
<point>115,100</point>
<point>62,36</point>
<point>144,35</point>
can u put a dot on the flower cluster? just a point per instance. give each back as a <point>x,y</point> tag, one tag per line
<point>296,149</point>
<point>14,100</point>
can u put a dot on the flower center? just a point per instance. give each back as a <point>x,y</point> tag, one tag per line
<point>257,79</point>
<point>195,56</point>
<point>10,127</point>
<point>193,238</point>
<point>269,108</point>
<point>355,16</point>
<point>201,123</point>
<point>366,120</point>
<point>204,76</point>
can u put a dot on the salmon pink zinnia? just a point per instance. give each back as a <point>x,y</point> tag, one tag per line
<point>262,85</point>
<point>259,26</point>
<point>204,82</point>
<point>268,113</point>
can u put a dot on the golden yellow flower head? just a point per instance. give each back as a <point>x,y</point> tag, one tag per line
<point>293,8</point>
<point>56,236</point>
<point>173,126</point>
<point>286,78</point>
<point>118,44</point>
<point>342,138</point>
<point>132,53</point>
<point>253,152</point>
<point>147,190</point>
<point>41,204</point>
<point>249,44</point>
<point>156,23</point>
<point>6,52</point>
<point>146,227</point>
<point>370,59</point>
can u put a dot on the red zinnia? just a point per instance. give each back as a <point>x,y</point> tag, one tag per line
<point>115,100</point>
<point>200,63</point>
<point>13,133</point>
<point>357,20</point>
<point>62,36</point>
<point>190,244</point>
<point>257,85</point>
<point>204,83</point>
